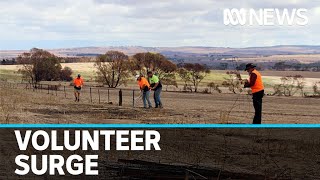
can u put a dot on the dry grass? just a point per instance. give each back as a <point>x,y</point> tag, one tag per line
<point>303,58</point>
<point>9,105</point>
<point>27,106</point>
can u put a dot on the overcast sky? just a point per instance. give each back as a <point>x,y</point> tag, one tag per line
<point>76,23</point>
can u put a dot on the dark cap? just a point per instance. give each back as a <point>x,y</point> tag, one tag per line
<point>250,65</point>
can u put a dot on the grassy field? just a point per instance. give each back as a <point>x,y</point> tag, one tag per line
<point>27,106</point>
<point>87,70</point>
<point>302,58</point>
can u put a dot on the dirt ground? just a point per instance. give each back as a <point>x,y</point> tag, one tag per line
<point>19,105</point>
<point>251,153</point>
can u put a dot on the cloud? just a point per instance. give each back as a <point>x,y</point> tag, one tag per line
<point>145,23</point>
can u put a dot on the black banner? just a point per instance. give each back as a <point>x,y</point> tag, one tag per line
<point>184,154</point>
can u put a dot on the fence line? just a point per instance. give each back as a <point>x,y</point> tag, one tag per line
<point>90,94</point>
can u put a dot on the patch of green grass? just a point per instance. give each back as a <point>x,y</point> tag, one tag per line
<point>10,75</point>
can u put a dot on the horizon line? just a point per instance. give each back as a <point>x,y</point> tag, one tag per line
<point>191,46</point>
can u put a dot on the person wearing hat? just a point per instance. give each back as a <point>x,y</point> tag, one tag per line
<point>78,83</point>
<point>256,85</point>
<point>145,89</point>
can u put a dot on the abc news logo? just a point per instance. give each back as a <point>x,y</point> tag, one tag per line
<point>265,17</point>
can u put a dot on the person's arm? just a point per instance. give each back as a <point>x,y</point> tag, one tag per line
<point>142,87</point>
<point>253,78</point>
<point>155,85</point>
<point>82,82</point>
<point>139,85</point>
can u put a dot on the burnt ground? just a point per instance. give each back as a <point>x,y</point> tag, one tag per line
<point>28,106</point>
<point>224,153</point>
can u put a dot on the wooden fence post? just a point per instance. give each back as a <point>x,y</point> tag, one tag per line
<point>48,89</point>
<point>90,95</point>
<point>120,97</point>
<point>64,90</point>
<point>133,98</point>
<point>99,94</point>
<point>108,96</point>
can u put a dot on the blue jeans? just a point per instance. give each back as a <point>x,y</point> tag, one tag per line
<point>157,98</point>
<point>145,98</point>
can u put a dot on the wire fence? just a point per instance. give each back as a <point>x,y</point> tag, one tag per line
<point>89,94</point>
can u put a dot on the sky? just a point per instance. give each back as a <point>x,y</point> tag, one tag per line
<point>25,24</point>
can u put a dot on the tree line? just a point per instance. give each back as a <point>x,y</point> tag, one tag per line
<point>113,68</point>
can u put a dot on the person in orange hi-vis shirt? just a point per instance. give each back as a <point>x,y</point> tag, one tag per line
<point>145,89</point>
<point>78,83</point>
<point>256,85</point>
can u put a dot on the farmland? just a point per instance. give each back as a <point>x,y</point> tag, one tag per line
<point>28,106</point>
<point>20,105</point>
<point>87,70</point>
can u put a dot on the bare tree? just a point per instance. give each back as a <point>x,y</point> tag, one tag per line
<point>316,89</point>
<point>193,73</point>
<point>233,82</point>
<point>289,86</point>
<point>214,86</point>
<point>112,68</point>
<point>186,78</point>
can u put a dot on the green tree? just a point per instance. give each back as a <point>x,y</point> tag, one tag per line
<point>233,82</point>
<point>39,65</point>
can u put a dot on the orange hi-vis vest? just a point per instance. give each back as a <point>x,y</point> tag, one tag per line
<point>258,86</point>
<point>143,83</point>
<point>78,82</point>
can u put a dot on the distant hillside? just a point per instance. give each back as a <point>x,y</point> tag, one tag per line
<point>179,51</point>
